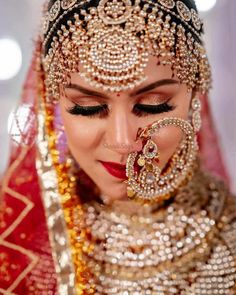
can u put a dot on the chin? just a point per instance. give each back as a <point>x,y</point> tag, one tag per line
<point>109,197</point>
<point>109,201</point>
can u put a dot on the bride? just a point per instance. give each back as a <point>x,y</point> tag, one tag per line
<point>108,189</point>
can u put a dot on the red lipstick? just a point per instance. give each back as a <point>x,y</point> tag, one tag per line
<point>115,169</point>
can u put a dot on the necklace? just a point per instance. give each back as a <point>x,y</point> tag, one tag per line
<point>175,249</point>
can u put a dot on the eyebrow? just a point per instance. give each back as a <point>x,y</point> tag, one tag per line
<point>85,90</point>
<point>147,88</point>
<point>154,85</point>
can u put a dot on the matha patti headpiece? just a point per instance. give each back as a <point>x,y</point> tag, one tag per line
<point>109,43</point>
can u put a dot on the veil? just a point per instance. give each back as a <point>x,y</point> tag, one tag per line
<point>210,151</point>
<point>25,249</point>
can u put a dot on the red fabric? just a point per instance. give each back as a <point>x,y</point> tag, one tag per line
<point>26,264</point>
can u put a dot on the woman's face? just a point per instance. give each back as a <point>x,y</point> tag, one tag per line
<point>107,131</point>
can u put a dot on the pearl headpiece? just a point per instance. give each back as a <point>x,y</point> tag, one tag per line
<point>109,44</point>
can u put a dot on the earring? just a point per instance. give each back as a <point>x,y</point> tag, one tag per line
<point>149,183</point>
<point>196,114</point>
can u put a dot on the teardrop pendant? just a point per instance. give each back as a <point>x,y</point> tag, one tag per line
<point>150,150</point>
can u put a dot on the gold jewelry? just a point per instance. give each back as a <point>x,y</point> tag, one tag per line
<point>186,247</point>
<point>150,184</point>
<point>112,43</point>
<point>178,249</point>
<point>196,115</point>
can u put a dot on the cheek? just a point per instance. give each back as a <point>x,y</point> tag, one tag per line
<point>167,140</point>
<point>170,137</point>
<point>81,136</point>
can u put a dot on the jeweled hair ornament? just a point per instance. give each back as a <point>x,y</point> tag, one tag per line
<point>109,42</point>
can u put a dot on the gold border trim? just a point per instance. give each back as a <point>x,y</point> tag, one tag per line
<point>4,292</point>
<point>54,213</point>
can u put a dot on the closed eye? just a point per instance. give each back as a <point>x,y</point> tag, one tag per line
<point>89,111</point>
<point>102,110</point>
<point>145,109</point>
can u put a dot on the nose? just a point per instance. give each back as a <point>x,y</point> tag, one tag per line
<point>121,133</point>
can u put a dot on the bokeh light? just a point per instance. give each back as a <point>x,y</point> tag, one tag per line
<point>10,58</point>
<point>205,5</point>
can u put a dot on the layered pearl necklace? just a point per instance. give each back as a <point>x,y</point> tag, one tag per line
<point>173,249</point>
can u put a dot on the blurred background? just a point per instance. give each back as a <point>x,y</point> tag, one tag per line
<point>19,22</point>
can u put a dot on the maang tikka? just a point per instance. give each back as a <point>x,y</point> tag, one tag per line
<point>146,181</point>
<point>109,43</point>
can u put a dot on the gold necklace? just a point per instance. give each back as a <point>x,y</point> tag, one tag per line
<point>175,249</point>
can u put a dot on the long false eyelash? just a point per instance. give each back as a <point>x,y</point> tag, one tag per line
<point>89,111</point>
<point>102,110</point>
<point>144,109</point>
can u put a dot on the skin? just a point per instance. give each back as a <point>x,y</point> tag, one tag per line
<point>112,137</point>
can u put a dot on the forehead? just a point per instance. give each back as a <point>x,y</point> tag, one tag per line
<point>153,72</point>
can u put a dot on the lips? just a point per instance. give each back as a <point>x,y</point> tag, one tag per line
<point>115,169</point>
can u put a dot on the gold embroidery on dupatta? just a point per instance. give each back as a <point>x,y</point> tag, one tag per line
<point>62,207</point>
<point>29,205</point>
